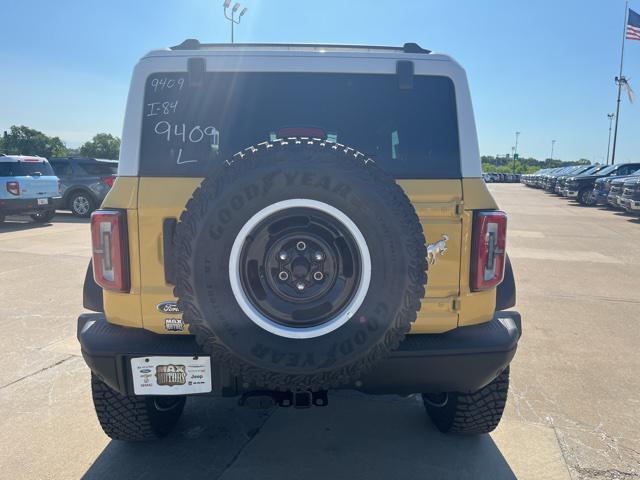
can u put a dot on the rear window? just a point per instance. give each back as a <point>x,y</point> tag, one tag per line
<point>188,130</point>
<point>99,168</point>
<point>23,169</point>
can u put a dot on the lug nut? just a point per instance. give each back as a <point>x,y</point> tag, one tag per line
<point>300,286</point>
<point>301,245</point>
<point>318,256</point>
<point>283,255</point>
<point>283,275</point>
<point>318,276</point>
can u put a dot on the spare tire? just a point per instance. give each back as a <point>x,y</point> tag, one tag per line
<point>299,265</point>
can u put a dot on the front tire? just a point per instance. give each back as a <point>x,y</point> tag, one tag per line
<point>43,217</point>
<point>585,197</point>
<point>469,413</point>
<point>134,418</point>
<point>82,204</point>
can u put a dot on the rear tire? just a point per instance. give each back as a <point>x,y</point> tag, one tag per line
<point>469,413</point>
<point>2,217</point>
<point>133,418</point>
<point>43,217</point>
<point>82,204</point>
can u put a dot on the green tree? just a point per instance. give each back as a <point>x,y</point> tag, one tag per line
<point>21,140</point>
<point>102,145</point>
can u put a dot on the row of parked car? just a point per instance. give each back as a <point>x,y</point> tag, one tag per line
<point>617,186</point>
<point>35,186</point>
<point>501,177</point>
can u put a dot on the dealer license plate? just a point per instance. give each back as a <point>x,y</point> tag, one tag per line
<point>43,201</point>
<point>171,375</point>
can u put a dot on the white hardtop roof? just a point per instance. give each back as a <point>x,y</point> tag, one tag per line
<point>192,47</point>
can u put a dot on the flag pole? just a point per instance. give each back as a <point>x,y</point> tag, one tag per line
<point>620,81</point>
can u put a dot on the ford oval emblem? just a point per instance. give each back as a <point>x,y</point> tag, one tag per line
<point>169,307</point>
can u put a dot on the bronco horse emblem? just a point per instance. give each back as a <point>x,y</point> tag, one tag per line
<point>434,250</point>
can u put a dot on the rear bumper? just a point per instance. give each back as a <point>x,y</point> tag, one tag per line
<point>463,360</point>
<point>630,204</point>
<point>570,193</point>
<point>613,200</point>
<point>20,206</point>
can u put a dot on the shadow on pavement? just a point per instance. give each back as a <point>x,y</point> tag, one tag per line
<point>68,217</point>
<point>14,223</point>
<point>355,437</point>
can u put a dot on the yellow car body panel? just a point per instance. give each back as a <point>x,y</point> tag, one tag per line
<point>445,207</point>
<point>124,308</point>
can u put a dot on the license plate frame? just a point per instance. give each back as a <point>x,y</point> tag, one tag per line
<point>171,375</point>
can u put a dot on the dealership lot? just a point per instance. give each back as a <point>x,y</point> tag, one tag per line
<point>572,413</point>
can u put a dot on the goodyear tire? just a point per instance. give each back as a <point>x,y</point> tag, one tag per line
<point>469,413</point>
<point>299,265</point>
<point>132,418</point>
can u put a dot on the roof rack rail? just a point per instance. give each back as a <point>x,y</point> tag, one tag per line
<point>194,44</point>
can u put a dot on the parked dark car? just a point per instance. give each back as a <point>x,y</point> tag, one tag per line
<point>608,191</point>
<point>549,180</point>
<point>552,179</point>
<point>84,182</point>
<point>535,179</point>
<point>581,187</point>
<point>582,170</point>
<point>631,195</point>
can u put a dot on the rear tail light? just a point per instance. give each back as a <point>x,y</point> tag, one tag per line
<point>13,188</point>
<point>110,249</point>
<point>489,245</point>
<point>109,181</point>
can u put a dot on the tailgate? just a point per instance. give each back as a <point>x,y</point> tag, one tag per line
<point>37,187</point>
<point>438,204</point>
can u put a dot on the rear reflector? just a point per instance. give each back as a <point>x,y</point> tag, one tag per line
<point>109,181</point>
<point>110,249</point>
<point>489,245</point>
<point>13,188</point>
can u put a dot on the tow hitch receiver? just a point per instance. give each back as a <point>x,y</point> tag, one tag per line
<point>263,399</point>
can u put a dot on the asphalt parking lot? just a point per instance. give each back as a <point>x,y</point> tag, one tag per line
<point>573,412</point>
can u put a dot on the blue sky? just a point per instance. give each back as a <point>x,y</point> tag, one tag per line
<point>542,67</point>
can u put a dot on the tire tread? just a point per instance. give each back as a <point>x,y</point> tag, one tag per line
<point>197,208</point>
<point>473,413</point>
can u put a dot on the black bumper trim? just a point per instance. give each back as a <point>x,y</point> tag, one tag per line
<point>25,206</point>
<point>464,359</point>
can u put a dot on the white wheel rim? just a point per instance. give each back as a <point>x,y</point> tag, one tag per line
<point>258,317</point>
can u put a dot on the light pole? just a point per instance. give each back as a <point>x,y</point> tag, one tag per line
<point>553,144</point>
<point>610,116</point>
<point>515,153</point>
<point>232,19</point>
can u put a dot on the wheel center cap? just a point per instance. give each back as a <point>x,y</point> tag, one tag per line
<point>300,267</point>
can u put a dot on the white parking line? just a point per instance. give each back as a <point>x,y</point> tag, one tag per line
<point>562,255</point>
<point>525,234</point>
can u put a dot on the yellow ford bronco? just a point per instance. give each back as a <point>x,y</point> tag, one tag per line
<point>268,237</point>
